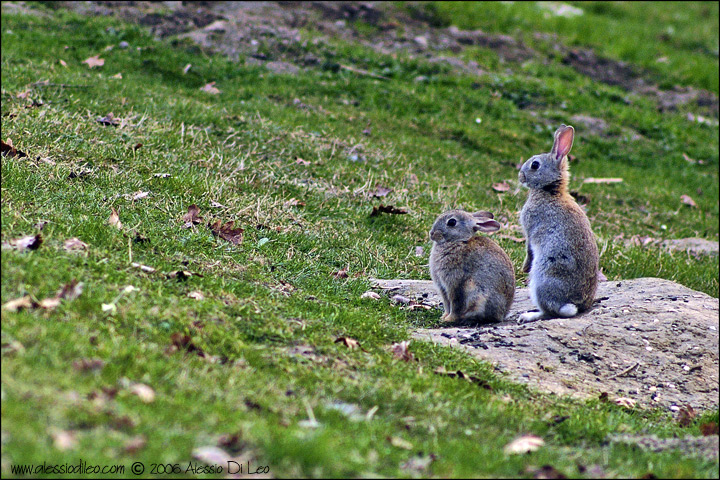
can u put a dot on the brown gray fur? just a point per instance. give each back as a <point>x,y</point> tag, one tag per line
<point>473,275</point>
<point>562,256</point>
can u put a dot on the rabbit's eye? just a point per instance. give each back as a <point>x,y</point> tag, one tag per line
<point>452,222</point>
<point>535,165</point>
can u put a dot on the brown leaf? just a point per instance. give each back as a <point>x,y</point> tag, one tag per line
<point>108,120</point>
<point>71,291</point>
<point>88,364</point>
<point>184,342</point>
<point>134,444</point>
<point>501,187</point>
<point>114,219</point>
<point>117,76</point>
<point>686,416</point>
<point>688,159</point>
<point>210,88</point>
<point>95,61</point>
<point>62,62</point>
<point>192,217</point>
<point>380,191</point>
<point>24,94</point>
<point>182,274</point>
<point>351,343</point>
<point>226,231</point>
<point>294,202</point>
<point>19,303</point>
<point>197,295</point>
<point>387,209</point>
<point>710,428</point>
<point>302,162</point>
<point>688,201</point>
<point>401,351</point>
<point>31,242</point>
<point>524,444</point>
<point>602,180</point>
<point>74,244</point>
<point>341,273</point>
<point>137,147</point>
<point>8,150</point>
<point>370,294</point>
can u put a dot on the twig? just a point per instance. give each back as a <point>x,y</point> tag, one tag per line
<point>624,372</point>
<point>363,72</point>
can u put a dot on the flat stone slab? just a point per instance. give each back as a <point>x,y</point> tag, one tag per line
<point>648,339</point>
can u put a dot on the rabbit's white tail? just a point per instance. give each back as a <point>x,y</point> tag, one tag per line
<point>568,310</point>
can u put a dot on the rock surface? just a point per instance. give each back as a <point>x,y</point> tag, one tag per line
<point>648,339</point>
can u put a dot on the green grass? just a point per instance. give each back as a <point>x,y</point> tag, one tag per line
<point>272,308</point>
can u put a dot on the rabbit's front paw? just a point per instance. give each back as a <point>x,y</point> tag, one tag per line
<point>528,317</point>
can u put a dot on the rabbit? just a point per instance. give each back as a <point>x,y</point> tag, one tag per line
<point>473,275</point>
<point>562,256</point>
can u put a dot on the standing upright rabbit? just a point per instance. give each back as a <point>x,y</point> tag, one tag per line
<point>562,256</point>
<point>473,275</point>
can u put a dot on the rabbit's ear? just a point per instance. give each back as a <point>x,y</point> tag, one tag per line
<point>488,225</point>
<point>482,214</point>
<point>563,142</point>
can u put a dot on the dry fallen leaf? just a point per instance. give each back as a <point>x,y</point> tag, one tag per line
<point>95,61</point>
<point>300,161</point>
<point>226,231</point>
<point>31,242</point>
<point>401,351</point>
<point>686,416</point>
<point>294,202</point>
<point>134,444</point>
<point>63,440</point>
<point>400,443</point>
<point>187,68</point>
<point>8,150</point>
<point>211,455</point>
<point>602,180</point>
<point>62,62</point>
<point>88,364</point>
<point>145,393</point>
<point>142,267</point>
<point>140,195</point>
<point>351,343</point>
<point>709,428</point>
<point>688,201</point>
<point>625,402</point>
<point>49,303</point>
<point>501,187</point>
<point>197,295</point>
<point>117,76</point>
<point>343,273</point>
<point>19,303</point>
<point>210,88</point>
<point>387,209</point>
<point>71,291</point>
<point>524,444</point>
<point>74,244</point>
<point>192,217</point>
<point>108,120</point>
<point>24,94</point>
<point>114,219</point>
<point>370,294</point>
<point>380,191</point>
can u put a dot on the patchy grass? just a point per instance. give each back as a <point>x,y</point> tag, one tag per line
<point>272,308</point>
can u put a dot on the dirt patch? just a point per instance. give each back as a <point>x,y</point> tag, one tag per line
<point>648,339</point>
<point>704,447</point>
<point>269,31</point>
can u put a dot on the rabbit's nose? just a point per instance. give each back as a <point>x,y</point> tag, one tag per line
<point>521,176</point>
<point>436,236</point>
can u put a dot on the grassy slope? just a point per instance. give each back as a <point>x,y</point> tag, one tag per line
<point>250,317</point>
